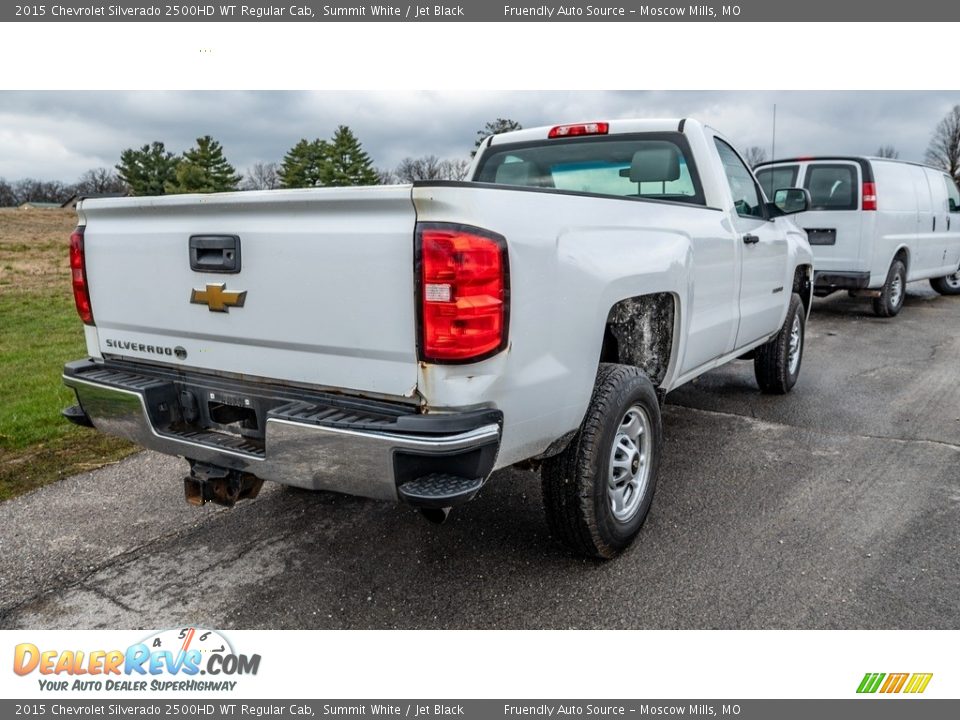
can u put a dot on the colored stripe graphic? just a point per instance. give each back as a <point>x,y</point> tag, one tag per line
<point>918,682</point>
<point>870,682</point>
<point>894,682</point>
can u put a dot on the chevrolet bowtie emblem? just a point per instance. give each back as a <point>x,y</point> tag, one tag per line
<point>217,298</point>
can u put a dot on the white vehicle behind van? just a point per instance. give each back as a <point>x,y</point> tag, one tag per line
<point>875,224</point>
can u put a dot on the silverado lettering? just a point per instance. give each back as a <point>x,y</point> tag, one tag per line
<point>138,347</point>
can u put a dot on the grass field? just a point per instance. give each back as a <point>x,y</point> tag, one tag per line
<point>39,331</point>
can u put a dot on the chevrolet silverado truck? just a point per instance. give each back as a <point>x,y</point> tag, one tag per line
<point>403,342</point>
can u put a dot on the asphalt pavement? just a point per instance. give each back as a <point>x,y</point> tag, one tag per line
<point>837,506</point>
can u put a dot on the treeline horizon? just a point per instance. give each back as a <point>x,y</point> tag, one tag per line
<point>153,170</point>
<point>335,162</point>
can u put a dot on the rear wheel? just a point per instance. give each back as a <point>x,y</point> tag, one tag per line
<point>598,491</point>
<point>894,291</point>
<point>777,363</point>
<point>949,285</point>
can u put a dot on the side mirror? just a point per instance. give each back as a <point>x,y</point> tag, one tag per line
<point>953,205</point>
<point>792,200</point>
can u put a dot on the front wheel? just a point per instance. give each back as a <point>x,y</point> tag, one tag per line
<point>894,291</point>
<point>949,285</point>
<point>598,491</point>
<point>777,362</point>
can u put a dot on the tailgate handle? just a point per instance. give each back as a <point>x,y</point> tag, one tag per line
<point>215,253</point>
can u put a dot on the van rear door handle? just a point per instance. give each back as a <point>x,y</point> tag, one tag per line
<point>749,239</point>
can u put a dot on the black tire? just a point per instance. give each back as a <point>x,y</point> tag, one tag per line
<point>579,506</point>
<point>772,365</point>
<point>949,285</point>
<point>890,301</point>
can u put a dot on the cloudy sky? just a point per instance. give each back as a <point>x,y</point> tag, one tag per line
<point>55,135</point>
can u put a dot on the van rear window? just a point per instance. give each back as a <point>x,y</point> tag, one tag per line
<point>832,186</point>
<point>772,179</point>
<point>953,195</point>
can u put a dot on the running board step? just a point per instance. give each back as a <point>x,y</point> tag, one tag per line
<point>77,416</point>
<point>439,491</point>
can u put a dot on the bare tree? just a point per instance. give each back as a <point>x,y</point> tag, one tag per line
<point>99,180</point>
<point>262,176</point>
<point>455,169</point>
<point>944,148</point>
<point>386,177</point>
<point>888,151</point>
<point>754,155</point>
<point>430,167</point>
<point>50,191</point>
<point>8,197</point>
<point>422,168</point>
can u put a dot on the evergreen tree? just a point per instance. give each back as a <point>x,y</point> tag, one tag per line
<point>500,125</point>
<point>148,170</point>
<point>348,163</point>
<point>204,169</point>
<point>303,165</point>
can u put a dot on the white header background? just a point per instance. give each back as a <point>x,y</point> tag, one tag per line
<point>463,57</point>
<point>460,58</point>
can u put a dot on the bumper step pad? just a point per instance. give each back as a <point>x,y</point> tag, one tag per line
<point>439,491</point>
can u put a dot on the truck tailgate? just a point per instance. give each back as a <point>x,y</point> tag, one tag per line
<point>328,276</point>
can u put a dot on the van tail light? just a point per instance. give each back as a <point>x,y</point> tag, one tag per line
<point>869,196</point>
<point>463,293</point>
<point>78,268</point>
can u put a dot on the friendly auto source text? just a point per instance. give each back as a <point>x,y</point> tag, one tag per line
<point>560,11</point>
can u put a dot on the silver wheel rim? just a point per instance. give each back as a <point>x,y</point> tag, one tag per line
<point>796,343</point>
<point>629,468</point>
<point>896,290</point>
<point>953,281</point>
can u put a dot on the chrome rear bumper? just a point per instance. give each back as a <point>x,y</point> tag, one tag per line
<point>316,442</point>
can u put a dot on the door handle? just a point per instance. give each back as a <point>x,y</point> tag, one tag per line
<point>749,239</point>
<point>215,253</point>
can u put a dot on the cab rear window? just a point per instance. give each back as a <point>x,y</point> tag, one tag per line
<point>772,179</point>
<point>653,166</point>
<point>832,186</point>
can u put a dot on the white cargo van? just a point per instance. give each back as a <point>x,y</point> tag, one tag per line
<point>875,224</point>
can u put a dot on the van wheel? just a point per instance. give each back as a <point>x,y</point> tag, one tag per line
<point>894,291</point>
<point>949,285</point>
<point>598,491</point>
<point>777,362</point>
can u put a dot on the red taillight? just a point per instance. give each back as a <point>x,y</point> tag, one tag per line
<point>78,268</point>
<point>463,293</point>
<point>869,196</point>
<point>594,128</point>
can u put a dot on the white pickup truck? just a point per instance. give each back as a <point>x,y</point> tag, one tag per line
<point>404,342</point>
